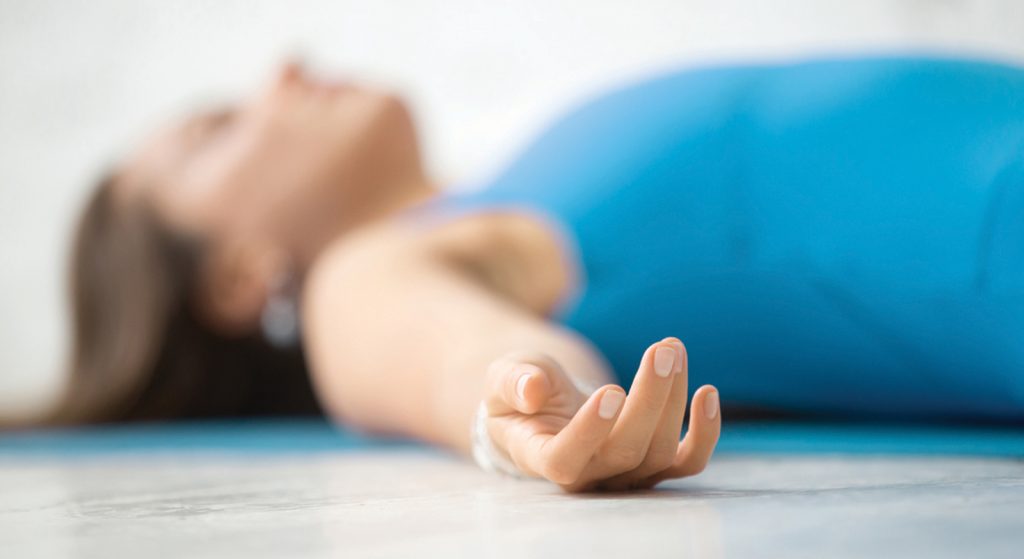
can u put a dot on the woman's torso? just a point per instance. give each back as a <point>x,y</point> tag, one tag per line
<point>825,236</point>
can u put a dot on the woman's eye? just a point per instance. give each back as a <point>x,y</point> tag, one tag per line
<point>208,128</point>
<point>217,122</point>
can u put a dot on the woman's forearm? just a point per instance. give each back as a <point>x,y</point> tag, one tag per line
<point>461,385</point>
<point>395,356</point>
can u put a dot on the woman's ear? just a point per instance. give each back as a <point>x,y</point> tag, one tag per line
<point>235,282</point>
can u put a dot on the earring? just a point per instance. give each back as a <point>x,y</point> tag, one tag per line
<point>279,319</point>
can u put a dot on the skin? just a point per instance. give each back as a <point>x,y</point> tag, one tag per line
<point>408,326</point>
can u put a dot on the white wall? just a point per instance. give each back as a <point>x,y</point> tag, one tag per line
<point>79,81</point>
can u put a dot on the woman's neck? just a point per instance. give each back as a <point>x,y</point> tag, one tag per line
<point>399,198</point>
<point>412,194</point>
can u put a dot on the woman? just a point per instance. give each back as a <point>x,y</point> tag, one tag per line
<point>830,237</point>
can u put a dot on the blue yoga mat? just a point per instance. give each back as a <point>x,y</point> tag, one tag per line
<point>313,436</point>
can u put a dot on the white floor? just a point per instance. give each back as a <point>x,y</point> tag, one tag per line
<point>412,503</point>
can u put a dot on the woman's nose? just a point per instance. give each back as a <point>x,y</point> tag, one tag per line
<point>286,79</point>
<point>288,73</point>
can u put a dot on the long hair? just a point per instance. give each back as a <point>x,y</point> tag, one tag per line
<point>140,351</point>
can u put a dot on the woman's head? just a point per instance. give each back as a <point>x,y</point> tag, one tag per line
<point>268,182</point>
<point>180,247</point>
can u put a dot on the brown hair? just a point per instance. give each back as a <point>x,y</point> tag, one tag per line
<point>140,352</point>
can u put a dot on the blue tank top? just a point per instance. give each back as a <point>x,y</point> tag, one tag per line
<point>837,236</point>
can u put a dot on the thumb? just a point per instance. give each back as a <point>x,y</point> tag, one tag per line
<point>520,385</point>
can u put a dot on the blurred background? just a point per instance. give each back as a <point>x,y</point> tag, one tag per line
<point>81,81</point>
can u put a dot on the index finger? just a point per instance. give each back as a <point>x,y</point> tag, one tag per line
<point>562,457</point>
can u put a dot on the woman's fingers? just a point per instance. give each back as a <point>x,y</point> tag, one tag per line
<point>627,444</point>
<point>611,439</point>
<point>661,452</point>
<point>562,458</point>
<point>701,437</point>
<point>540,446</point>
<point>539,418</point>
<point>517,385</point>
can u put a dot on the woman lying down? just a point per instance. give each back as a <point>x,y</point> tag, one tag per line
<point>832,237</point>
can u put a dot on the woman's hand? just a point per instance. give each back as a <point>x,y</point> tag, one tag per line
<point>607,441</point>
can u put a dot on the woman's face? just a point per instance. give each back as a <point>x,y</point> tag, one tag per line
<point>296,164</point>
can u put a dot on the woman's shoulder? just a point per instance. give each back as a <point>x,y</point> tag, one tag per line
<point>513,251</point>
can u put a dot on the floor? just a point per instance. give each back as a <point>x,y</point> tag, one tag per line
<point>297,497</point>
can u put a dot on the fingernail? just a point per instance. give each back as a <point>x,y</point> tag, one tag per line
<point>664,357</point>
<point>711,405</point>
<point>611,400</point>
<point>521,386</point>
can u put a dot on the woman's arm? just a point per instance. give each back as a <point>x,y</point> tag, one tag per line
<point>400,331</point>
<point>406,336</point>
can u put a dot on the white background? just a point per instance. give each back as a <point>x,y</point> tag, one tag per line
<point>81,81</point>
